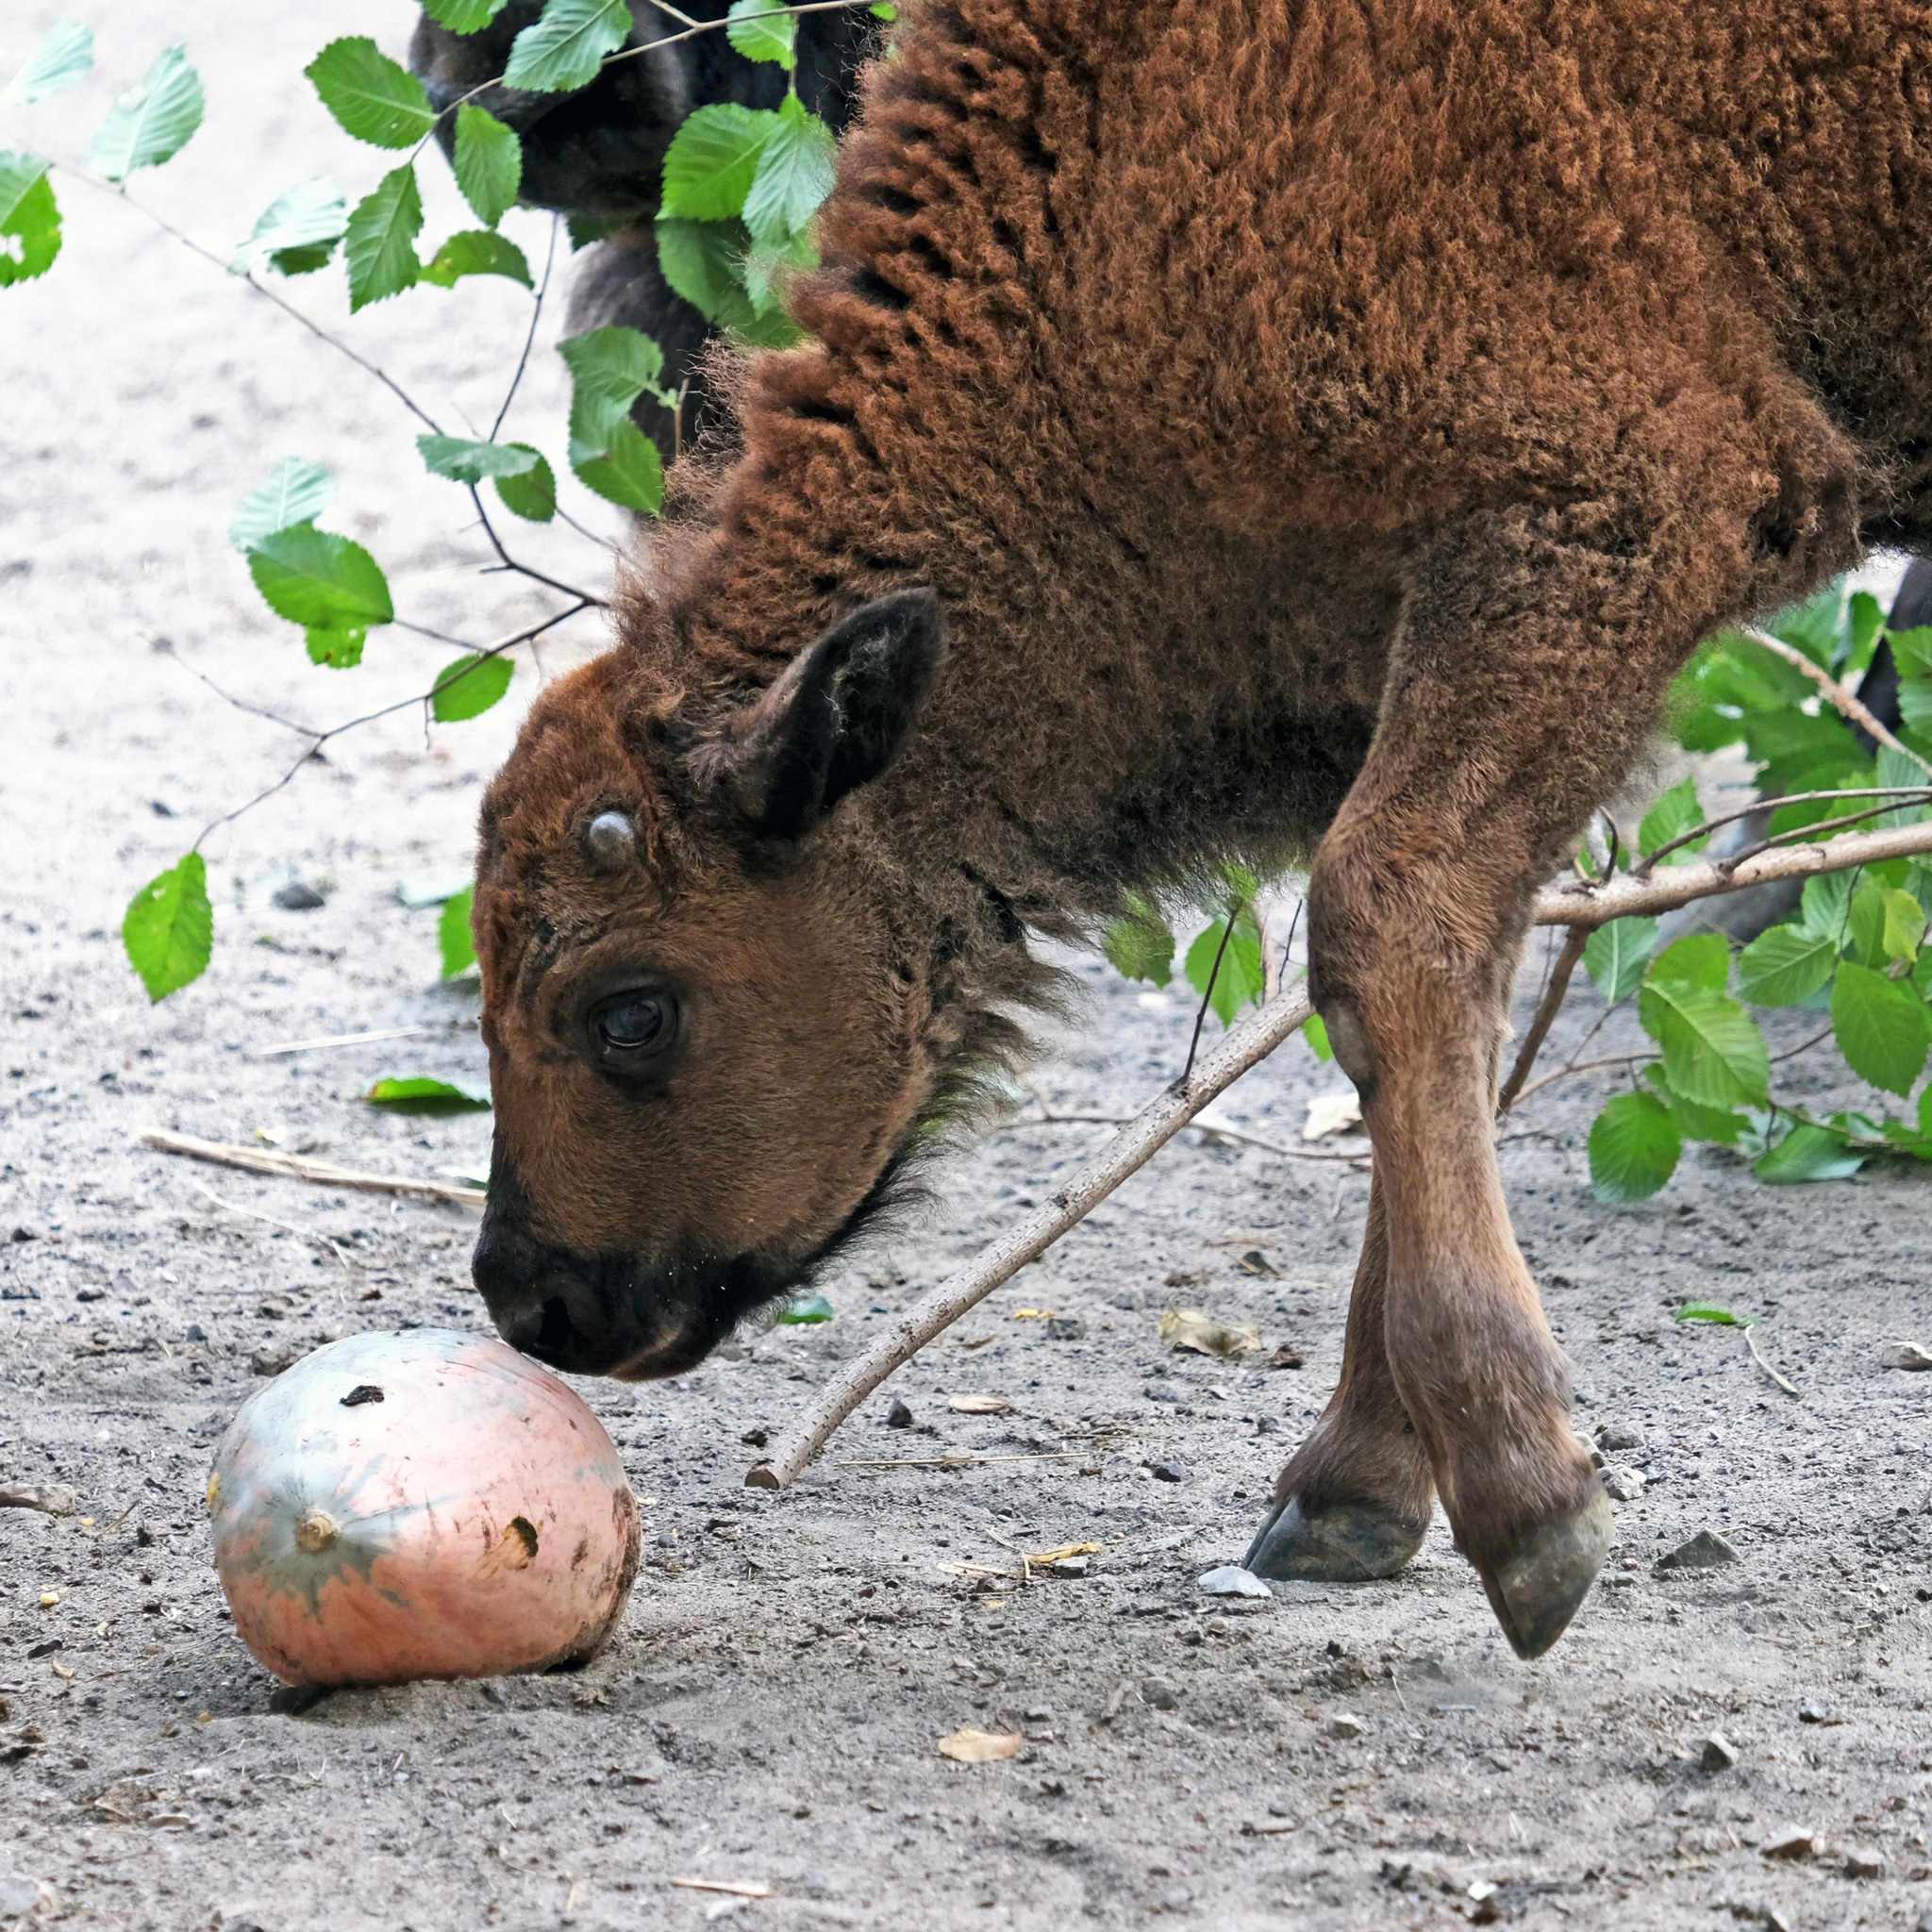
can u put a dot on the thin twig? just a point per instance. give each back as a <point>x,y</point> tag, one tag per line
<point>261,288</point>
<point>523,570</point>
<point>1545,1013</point>
<point>307,1234</point>
<point>510,395</point>
<point>947,1461</point>
<point>294,1168</point>
<point>1751,1342</point>
<point>333,1040</point>
<point>1846,702</point>
<point>1898,793</point>
<point>1207,994</point>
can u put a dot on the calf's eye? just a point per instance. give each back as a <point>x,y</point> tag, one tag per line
<point>629,1026</point>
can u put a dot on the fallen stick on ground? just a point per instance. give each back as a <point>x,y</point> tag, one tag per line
<point>50,1499</point>
<point>292,1167</point>
<point>1251,1039</point>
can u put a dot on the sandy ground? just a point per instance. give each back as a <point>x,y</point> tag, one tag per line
<point>1361,1757</point>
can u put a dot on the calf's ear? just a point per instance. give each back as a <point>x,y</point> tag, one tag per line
<point>837,717</point>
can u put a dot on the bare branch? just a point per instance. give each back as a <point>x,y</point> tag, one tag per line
<point>1848,704</point>
<point>322,1172</point>
<point>1545,1013</point>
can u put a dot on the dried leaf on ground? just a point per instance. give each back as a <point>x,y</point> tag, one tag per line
<point>980,1405</point>
<point>1190,1328</point>
<point>1333,1113</point>
<point>980,1748</point>
<point>1043,1558</point>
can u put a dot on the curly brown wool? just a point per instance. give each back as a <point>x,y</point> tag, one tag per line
<point>1318,428</point>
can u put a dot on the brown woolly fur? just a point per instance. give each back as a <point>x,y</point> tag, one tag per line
<point>1232,427</point>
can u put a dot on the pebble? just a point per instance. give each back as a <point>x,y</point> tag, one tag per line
<point>297,895</point>
<point>1619,1436</point>
<point>1812,1712</point>
<point>1163,1391</point>
<point>1345,1724</point>
<point>1789,1846</point>
<point>1168,1469</point>
<point>272,1361</point>
<point>1719,1754</point>
<point>1160,1694</point>
<point>1861,1864</point>
<point>1707,1550</point>
<point>898,1416</point>
<point>1622,1485</point>
<point>1231,1579</point>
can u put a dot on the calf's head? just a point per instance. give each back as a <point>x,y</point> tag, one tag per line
<point>707,1047</point>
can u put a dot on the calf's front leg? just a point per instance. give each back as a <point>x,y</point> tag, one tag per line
<point>1531,664</point>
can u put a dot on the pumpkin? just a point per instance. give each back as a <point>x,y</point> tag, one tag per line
<point>419,1504</point>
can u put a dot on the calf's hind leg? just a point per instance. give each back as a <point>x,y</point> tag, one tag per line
<point>1536,650</point>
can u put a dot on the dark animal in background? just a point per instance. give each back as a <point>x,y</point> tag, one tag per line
<point>598,155</point>
<point>1228,431</point>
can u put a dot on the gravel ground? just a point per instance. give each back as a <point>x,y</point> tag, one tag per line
<point>1361,1757</point>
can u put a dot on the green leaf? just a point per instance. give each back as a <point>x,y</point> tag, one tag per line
<point>454,938</point>
<point>759,33</point>
<point>1813,626</point>
<point>567,45</point>
<point>463,461</point>
<point>1140,944</point>
<point>1926,1112</point>
<point>883,9</point>
<point>29,219</point>
<point>1714,1124</point>
<point>489,163</point>
<point>609,367</point>
<point>1315,1031</point>
<point>1634,1148</point>
<point>1699,959</point>
<point>1864,621</point>
<point>1785,965</point>
<point>1915,704</point>
<point>529,493</point>
<point>1887,925</point>
<point>1616,955</point>
<point>815,1310</point>
<point>1673,815</point>
<point>795,176</point>
<point>57,62</point>
<point>1808,1153</point>
<point>713,159</point>
<point>469,686</point>
<point>297,492</point>
<point>1825,912</point>
<point>477,252</point>
<point>1880,1027</point>
<point>311,216</point>
<point>1912,651</point>
<point>339,649</point>
<point>152,123</point>
<point>314,577</point>
<point>1239,980</point>
<point>768,261</point>
<point>416,1093</point>
<point>381,240</point>
<point>170,928</point>
<point>585,229</point>
<point>372,96</point>
<point>703,261</point>
<point>626,471</point>
<point>1714,1054</point>
<point>463,16</point>
<point>1705,1312</point>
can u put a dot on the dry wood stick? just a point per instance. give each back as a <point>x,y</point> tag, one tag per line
<point>1580,906</point>
<point>292,1167</point>
<point>1545,1017</point>
<point>1249,1041</point>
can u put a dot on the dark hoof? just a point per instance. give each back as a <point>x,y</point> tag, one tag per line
<point>1345,1542</point>
<point>1541,1585</point>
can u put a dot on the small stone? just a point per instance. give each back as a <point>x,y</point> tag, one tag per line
<point>1707,1550</point>
<point>1719,1752</point>
<point>196,1333</point>
<point>1163,1391</point>
<point>1911,1356</point>
<point>1812,1712</point>
<point>1863,1864</point>
<point>1613,1436</point>
<point>297,896</point>
<point>1623,1484</point>
<point>898,1416</point>
<point>1160,1694</point>
<point>272,1361</point>
<point>1231,1579</point>
<point>1168,1469</point>
<point>1345,1724</point>
<point>755,1439</point>
<point>1788,1847</point>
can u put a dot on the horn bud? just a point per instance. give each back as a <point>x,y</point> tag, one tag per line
<point>611,840</point>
